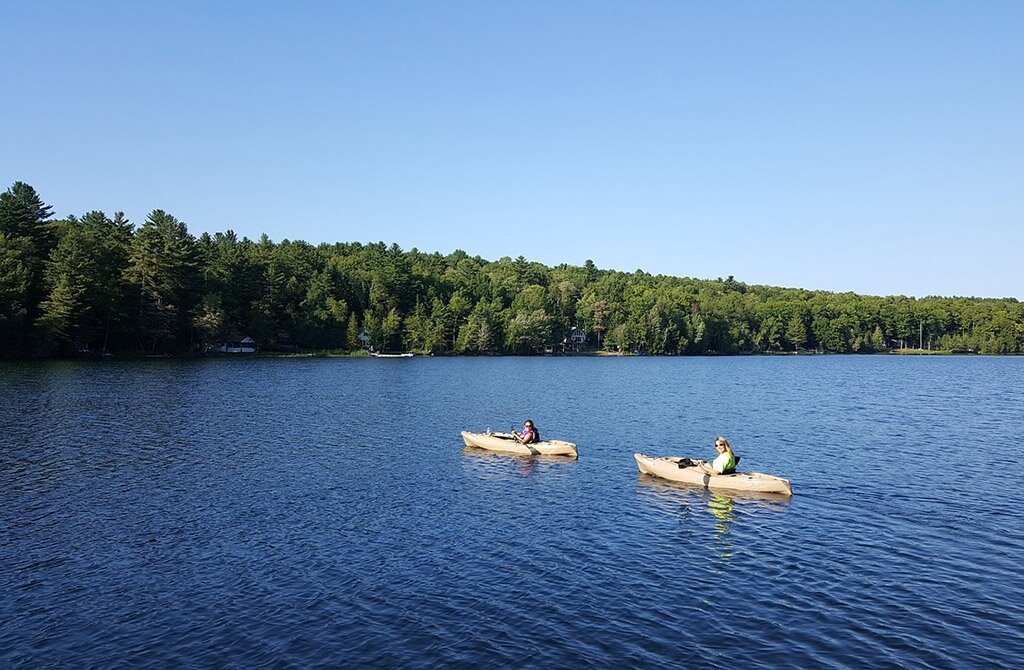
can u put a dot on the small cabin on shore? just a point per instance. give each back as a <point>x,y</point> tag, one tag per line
<point>246,345</point>
<point>576,340</point>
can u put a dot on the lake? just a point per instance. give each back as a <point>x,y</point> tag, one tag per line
<point>323,512</point>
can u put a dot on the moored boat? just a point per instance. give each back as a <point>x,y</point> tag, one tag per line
<point>507,443</point>
<point>675,469</point>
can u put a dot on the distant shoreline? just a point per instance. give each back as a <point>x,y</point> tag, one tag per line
<point>94,283</point>
<point>274,355</point>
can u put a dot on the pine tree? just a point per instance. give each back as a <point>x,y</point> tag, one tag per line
<point>23,214</point>
<point>352,333</point>
<point>877,341</point>
<point>15,276</point>
<point>796,332</point>
<point>83,280</point>
<point>23,218</point>
<point>60,312</point>
<point>163,272</point>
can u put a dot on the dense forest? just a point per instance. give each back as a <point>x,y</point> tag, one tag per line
<point>99,284</point>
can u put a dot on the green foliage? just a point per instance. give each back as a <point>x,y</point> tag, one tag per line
<point>96,283</point>
<point>23,214</point>
<point>23,253</point>
<point>352,333</point>
<point>163,275</point>
<point>60,309</point>
<point>482,332</point>
<point>85,298</point>
<point>390,327</point>
<point>528,332</point>
<point>15,277</point>
<point>796,332</point>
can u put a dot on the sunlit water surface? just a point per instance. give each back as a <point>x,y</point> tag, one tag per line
<point>323,513</point>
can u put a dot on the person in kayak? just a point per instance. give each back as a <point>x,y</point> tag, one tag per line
<point>724,463</point>
<point>529,435</point>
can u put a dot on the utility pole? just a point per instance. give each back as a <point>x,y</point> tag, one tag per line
<point>920,334</point>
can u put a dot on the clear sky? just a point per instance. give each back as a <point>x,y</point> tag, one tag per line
<point>875,147</point>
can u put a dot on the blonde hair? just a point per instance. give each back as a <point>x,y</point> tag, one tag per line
<point>725,443</point>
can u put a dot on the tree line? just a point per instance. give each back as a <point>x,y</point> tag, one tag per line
<point>94,283</point>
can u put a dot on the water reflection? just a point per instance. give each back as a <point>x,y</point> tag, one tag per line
<point>722,508</point>
<point>494,461</point>
<point>683,500</point>
<point>269,504</point>
<point>676,491</point>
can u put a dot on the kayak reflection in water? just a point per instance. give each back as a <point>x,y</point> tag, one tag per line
<point>724,463</point>
<point>529,435</point>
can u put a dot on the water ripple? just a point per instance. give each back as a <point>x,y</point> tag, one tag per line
<point>324,513</point>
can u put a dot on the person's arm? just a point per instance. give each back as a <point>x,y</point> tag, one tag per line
<point>713,467</point>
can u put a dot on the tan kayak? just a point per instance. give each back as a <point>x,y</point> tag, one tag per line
<point>667,467</point>
<point>506,442</point>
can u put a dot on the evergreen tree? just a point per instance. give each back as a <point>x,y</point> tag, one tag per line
<point>163,273</point>
<point>23,219</point>
<point>796,332</point>
<point>61,311</point>
<point>84,300</point>
<point>24,214</point>
<point>15,277</point>
<point>877,340</point>
<point>352,333</point>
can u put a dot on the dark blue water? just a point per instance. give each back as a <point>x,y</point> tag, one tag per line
<point>323,513</point>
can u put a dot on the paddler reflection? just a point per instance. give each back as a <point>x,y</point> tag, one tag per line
<point>687,502</point>
<point>722,508</point>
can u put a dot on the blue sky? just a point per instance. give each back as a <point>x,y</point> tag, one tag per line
<point>874,147</point>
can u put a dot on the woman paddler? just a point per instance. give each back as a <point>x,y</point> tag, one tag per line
<point>724,463</point>
<point>529,435</point>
